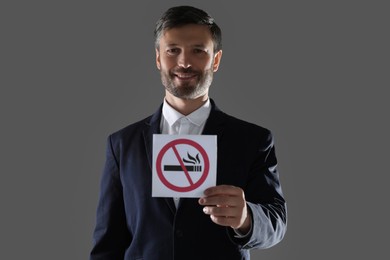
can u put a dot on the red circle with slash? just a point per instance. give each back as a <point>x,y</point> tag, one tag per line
<point>172,145</point>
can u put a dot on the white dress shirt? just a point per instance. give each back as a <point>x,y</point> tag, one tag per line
<point>174,123</point>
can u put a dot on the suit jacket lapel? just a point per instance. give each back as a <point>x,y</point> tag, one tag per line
<point>215,124</point>
<point>153,127</point>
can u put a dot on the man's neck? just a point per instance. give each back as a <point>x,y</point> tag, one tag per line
<point>185,106</point>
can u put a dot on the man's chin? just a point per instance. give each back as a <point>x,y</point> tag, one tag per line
<point>185,96</point>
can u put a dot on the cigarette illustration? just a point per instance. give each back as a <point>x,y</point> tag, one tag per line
<point>191,168</point>
<point>177,168</point>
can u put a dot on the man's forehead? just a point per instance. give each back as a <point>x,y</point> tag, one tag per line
<point>189,34</point>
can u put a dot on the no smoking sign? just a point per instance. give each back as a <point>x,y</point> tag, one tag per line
<point>183,165</point>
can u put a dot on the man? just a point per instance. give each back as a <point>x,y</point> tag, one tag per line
<point>245,210</point>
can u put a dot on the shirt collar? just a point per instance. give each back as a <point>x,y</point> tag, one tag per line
<point>198,117</point>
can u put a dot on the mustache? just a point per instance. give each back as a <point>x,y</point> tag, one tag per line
<point>185,70</point>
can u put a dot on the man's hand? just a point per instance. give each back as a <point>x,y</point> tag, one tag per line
<point>226,206</point>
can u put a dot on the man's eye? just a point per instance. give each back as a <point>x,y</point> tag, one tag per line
<point>198,51</point>
<point>173,51</point>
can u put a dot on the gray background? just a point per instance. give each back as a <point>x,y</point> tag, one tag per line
<point>314,72</point>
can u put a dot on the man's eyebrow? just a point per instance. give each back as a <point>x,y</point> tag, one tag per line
<point>193,45</point>
<point>199,45</point>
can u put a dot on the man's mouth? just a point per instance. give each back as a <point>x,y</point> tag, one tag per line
<point>185,76</point>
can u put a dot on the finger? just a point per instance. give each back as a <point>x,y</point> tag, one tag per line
<point>228,217</point>
<point>231,201</point>
<point>223,189</point>
<point>224,221</point>
<point>221,211</point>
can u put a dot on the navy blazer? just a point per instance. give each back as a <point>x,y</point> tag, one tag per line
<point>131,224</point>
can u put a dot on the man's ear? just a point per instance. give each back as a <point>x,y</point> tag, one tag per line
<point>217,60</point>
<point>158,64</point>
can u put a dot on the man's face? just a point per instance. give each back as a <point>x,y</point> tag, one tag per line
<point>187,61</point>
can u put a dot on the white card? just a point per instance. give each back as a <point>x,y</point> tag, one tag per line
<point>183,165</point>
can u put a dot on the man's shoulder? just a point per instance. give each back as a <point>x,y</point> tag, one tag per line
<point>244,125</point>
<point>236,124</point>
<point>132,129</point>
<point>241,132</point>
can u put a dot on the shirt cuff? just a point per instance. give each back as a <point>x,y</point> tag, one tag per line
<point>238,234</point>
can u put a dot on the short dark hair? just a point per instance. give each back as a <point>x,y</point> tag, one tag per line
<point>183,15</point>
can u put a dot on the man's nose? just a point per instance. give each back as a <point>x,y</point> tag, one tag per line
<point>184,60</point>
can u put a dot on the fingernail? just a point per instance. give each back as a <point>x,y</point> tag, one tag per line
<point>205,210</point>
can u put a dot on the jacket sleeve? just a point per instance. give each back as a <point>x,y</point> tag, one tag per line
<point>265,200</point>
<point>111,236</point>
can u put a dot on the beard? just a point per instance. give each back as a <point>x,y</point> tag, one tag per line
<point>187,90</point>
